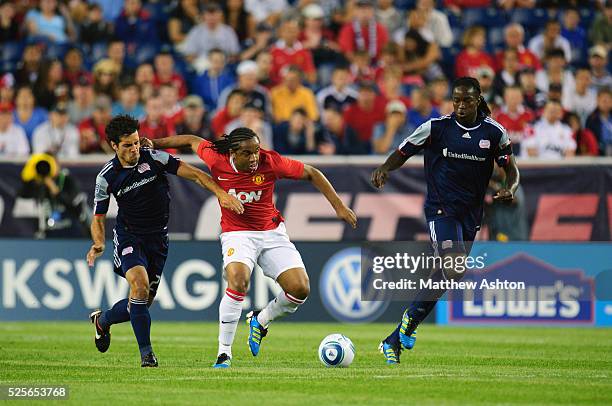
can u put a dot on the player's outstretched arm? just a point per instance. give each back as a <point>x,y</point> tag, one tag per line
<point>512,181</point>
<point>97,235</point>
<point>175,141</point>
<point>203,179</point>
<point>381,174</point>
<point>314,176</point>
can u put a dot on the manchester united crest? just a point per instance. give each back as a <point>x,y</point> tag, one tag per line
<point>258,179</point>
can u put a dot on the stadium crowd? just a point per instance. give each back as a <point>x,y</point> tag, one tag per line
<point>310,77</point>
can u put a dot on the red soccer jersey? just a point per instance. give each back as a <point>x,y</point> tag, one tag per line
<point>254,189</point>
<point>297,55</point>
<point>516,124</point>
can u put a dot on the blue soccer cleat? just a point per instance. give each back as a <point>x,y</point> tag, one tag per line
<point>223,361</point>
<point>407,341</point>
<point>256,332</point>
<point>392,353</point>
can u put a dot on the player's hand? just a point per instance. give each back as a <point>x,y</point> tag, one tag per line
<point>503,195</point>
<point>347,215</point>
<point>94,252</point>
<point>230,202</point>
<point>146,143</point>
<point>379,177</point>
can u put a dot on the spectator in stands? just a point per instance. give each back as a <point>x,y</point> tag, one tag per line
<point>50,86</point>
<point>57,136</point>
<point>82,104</point>
<point>29,66</point>
<point>211,33</point>
<point>601,30</point>
<point>512,4</point>
<point>252,116</point>
<point>574,33</point>
<point>194,120</point>
<point>439,89</point>
<point>9,27</point>
<point>586,142</point>
<point>389,16</point>
<point>515,117</point>
<point>551,139</point>
<point>289,51</point>
<point>145,79</point>
<point>247,82</point>
<point>234,105</point>
<point>556,72</point>
<point>95,29</point>
<point>262,41</point>
<point>337,133</point>
<point>184,16</point>
<point>165,73</point>
<point>600,121</point>
<point>106,78</point>
<point>485,76</point>
<point>264,69</point>
<point>172,108</point>
<point>418,55</point>
<point>389,134</point>
<point>129,101</point>
<point>391,86</point>
<point>320,41</point>
<point>210,84</point>
<point>13,140</point>
<point>549,40</point>
<point>473,55</point>
<point>514,37</point>
<point>364,115</point>
<point>509,74</point>
<point>155,125</point>
<point>582,99</point>
<point>73,66</point>
<point>291,94</point>
<point>111,8</point>
<point>92,129</point>
<point>339,94</point>
<point>46,22</point>
<point>7,88</point>
<point>362,69</point>
<point>421,110</point>
<point>116,53</point>
<point>268,11</point>
<point>135,26</point>
<point>26,114</point>
<point>598,61</point>
<point>532,97</point>
<point>437,27</point>
<point>296,136</point>
<point>363,33</point>
<point>237,17</point>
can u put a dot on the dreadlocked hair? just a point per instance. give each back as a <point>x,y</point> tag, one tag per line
<point>467,81</point>
<point>232,140</point>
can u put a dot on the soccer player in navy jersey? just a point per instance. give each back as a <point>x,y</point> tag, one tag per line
<point>459,150</point>
<point>137,179</point>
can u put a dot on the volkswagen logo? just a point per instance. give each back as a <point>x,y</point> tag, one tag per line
<point>340,287</point>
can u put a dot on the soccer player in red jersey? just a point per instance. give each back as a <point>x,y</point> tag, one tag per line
<point>257,236</point>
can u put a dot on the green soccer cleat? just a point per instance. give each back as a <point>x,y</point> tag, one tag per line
<point>256,332</point>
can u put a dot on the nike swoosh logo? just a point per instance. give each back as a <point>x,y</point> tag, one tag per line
<point>220,178</point>
<point>229,322</point>
<point>98,336</point>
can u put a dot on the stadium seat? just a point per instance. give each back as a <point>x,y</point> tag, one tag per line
<point>486,17</point>
<point>98,51</point>
<point>532,19</point>
<point>145,53</point>
<point>405,4</point>
<point>496,37</point>
<point>587,15</point>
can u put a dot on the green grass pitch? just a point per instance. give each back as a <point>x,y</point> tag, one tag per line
<point>449,366</point>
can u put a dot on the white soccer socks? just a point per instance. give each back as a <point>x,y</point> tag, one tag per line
<point>281,305</point>
<point>229,315</point>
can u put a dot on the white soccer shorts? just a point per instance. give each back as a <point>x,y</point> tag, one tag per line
<point>271,250</point>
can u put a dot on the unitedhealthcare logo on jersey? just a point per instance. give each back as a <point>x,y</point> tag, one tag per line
<point>340,286</point>
<point>550,295</point>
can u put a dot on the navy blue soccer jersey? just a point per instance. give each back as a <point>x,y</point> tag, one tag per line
<point>458,163</point>
<point>141,191</point>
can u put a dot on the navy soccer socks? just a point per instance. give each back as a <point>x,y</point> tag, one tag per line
<point>141,323</point>
<point>116,314</point>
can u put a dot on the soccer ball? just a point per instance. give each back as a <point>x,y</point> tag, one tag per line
<point>336,350</point>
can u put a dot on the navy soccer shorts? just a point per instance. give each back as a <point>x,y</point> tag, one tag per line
<point>450,235</point>
<point>147,250</point>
